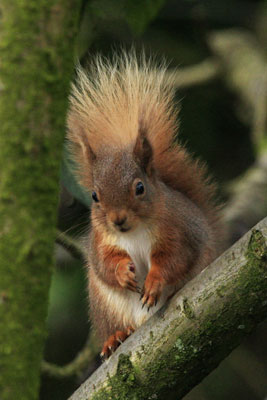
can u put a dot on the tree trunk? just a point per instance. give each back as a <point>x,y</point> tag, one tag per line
<point>185,340</point>
<point>36,46</point>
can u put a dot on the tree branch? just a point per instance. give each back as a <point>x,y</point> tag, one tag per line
<point>247,204</point>
<point>244,69</point>
<point>72,245</point>
<point>193,75</point>
<point>77,366</point>
<point>185,340</point>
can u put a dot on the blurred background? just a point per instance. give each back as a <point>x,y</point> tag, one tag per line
<point>218,50</point>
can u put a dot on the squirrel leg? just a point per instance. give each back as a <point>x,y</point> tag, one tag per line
<point>153,286</point>
<point>114,341</point>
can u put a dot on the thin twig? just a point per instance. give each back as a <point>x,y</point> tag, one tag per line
<point>198,74</point>
<point>75,367</point>
<point>72,245</point>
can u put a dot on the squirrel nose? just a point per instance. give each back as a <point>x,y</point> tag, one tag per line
<point>120,221</point>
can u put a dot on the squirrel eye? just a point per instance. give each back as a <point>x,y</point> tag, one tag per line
<point>139,189</point>
<point>94,197</point>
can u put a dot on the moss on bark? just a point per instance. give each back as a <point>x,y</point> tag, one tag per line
<point>36,64</point>
<point>190,336</point>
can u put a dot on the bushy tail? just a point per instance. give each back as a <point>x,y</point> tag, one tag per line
<point>113,100</point>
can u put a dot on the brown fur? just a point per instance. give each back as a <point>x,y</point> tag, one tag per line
<point>122,124</point>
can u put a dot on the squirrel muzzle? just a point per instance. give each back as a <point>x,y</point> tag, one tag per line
<point>119,220</point>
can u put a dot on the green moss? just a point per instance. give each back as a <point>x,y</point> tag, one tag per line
<point>221,291</point>
<point>200,349</point>
<point>36,66</point>
<point>187,309</point>
<point>257,248</point>
<point>123,385</point>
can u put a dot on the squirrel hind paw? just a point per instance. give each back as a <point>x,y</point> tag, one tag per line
<point>113,342</point>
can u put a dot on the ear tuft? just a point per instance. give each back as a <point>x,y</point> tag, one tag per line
<point>81,151</point>
<point>87,149</point>
<point>143,152</point>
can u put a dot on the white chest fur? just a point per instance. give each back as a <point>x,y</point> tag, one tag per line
<point>126,305</point>
<point>138,245</point>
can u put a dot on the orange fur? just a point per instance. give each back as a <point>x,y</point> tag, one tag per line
<point>122,125</point>
<point>111,103</point>
<point>114,341</point>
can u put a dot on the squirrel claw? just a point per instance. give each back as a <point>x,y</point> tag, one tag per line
<point>131,267</point>
<point>145,300</point>
<point>113,342</point>
<point>130,330</point>
<point>103,357</point>
<point>152,289</point>
<point>125,275</point>
<point>133,287</point>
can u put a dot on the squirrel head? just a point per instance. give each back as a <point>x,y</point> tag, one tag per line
<point>123,185</point>
<point>121,122</point>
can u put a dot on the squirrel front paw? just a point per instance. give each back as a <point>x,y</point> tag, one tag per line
<point>152,290</point>
<point>125,274</point>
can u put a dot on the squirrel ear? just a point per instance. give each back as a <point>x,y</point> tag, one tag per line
<point>81,151</point>
<point>144,152</point>
<point>87,149</point>
<point>77,136</point>
<point>89,158</point>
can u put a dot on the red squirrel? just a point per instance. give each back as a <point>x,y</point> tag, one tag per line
<point>154,222</point>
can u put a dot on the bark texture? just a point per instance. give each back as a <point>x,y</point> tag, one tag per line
<point>191,335</point>
<point>36,47</point>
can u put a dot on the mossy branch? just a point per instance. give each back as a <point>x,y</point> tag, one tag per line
<point>185,340</point>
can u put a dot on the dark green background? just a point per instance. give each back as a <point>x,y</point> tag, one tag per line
<point>211,128</point>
